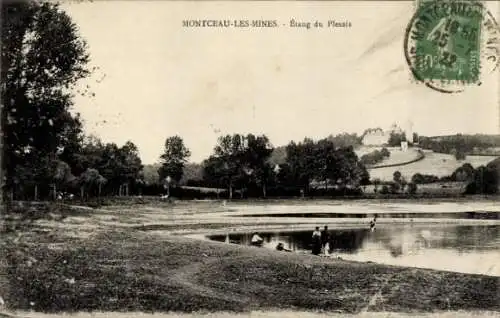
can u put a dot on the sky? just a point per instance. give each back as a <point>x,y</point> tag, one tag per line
<point>158,79</point>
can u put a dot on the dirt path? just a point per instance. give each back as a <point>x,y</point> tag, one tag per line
<point>186,275</point>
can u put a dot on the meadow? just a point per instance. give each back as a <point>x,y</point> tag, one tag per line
<point>437,164</point>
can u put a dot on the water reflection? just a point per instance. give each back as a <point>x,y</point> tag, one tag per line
<point>470,249</point>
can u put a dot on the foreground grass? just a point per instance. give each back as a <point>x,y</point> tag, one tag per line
<point>134,271</point>
<point>265,314</point>
<point>45,269</point>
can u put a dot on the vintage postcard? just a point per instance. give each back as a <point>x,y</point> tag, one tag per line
<point>250,158</point>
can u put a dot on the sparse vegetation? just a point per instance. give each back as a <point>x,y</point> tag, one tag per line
<point>375,156</point>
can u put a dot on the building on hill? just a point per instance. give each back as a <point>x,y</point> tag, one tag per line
<point>375,137</point>
<point>379,137</point>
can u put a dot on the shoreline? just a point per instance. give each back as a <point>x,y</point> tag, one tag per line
<point>83,263</point>
<point>120,270</point>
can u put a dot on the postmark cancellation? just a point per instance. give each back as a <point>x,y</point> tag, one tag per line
<point>452,44</point>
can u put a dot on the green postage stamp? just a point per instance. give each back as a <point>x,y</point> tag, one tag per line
<point>450,44</point>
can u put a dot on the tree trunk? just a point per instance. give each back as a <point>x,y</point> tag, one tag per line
<point>99,190</point>
<point>264,190</point>
<point>82,193</point>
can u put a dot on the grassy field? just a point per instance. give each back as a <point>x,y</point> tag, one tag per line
<point>397,156</point>
<point>434,164</point>
<point>72,260</point>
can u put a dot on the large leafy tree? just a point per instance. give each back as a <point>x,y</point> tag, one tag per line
<point>257,152</point>
<point>229,160</point>
<point>173,159</point>
<point>43,57</point>
<point>485,181</point>
<point>239,161</point>
<point>325,160</point>
<point>120,166</point>
<point>301,162</point>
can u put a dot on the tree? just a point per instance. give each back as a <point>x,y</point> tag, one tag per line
<point>300,158</point>
<point>396,176</point>
<point>376,182</point>
<point>257,151</point>
<point>463,173</point>
<point>88,181</point>
<point>345,140</point>
<point>397,184</point>
<point>395,139</point>
<point>485,181</point>
<point>43,57</point>
<point>412,188</point>
<point>173,159</point>
<point>214,174</point>
<point>415,138</point>
<point>419,178</point>
<point>192,172</point>
<point>325,160</point>
<point>130,166</point>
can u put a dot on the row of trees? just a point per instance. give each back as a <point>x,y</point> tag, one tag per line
<point>243,162</point>
<point>44,147</point>
<point>461,145</point>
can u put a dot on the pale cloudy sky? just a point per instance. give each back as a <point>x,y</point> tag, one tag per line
<point>158,79</point>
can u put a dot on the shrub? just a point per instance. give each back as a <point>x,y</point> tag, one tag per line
<point>375,156</point>
<point>485,181</point>
<point>419,178</point>
<point>412,188</point>
<point>384,190</point>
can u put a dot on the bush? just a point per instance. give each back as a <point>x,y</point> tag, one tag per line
<point>412,188</point>
<point>375,156</point>
<point>419,178</point>
<point>485,181</point>
<point>463,173</point>
<point>395,187</point>
<point>384,190</point>
<point>385,152</point>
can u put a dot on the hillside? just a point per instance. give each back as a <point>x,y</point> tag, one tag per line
<point>434,163</point>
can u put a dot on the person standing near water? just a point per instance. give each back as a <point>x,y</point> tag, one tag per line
<point>373,223</point>
<point>316,241</point>
<point>325,238</point>
<point>257,240</point>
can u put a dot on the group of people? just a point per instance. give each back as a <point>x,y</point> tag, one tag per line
<point>320,241</point>
<point>258,241</point>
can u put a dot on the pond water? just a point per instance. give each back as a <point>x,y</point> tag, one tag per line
<point>472,215</point>
<point>460,248</point>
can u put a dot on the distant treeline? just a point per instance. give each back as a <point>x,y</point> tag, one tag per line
<point>462,145</point>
